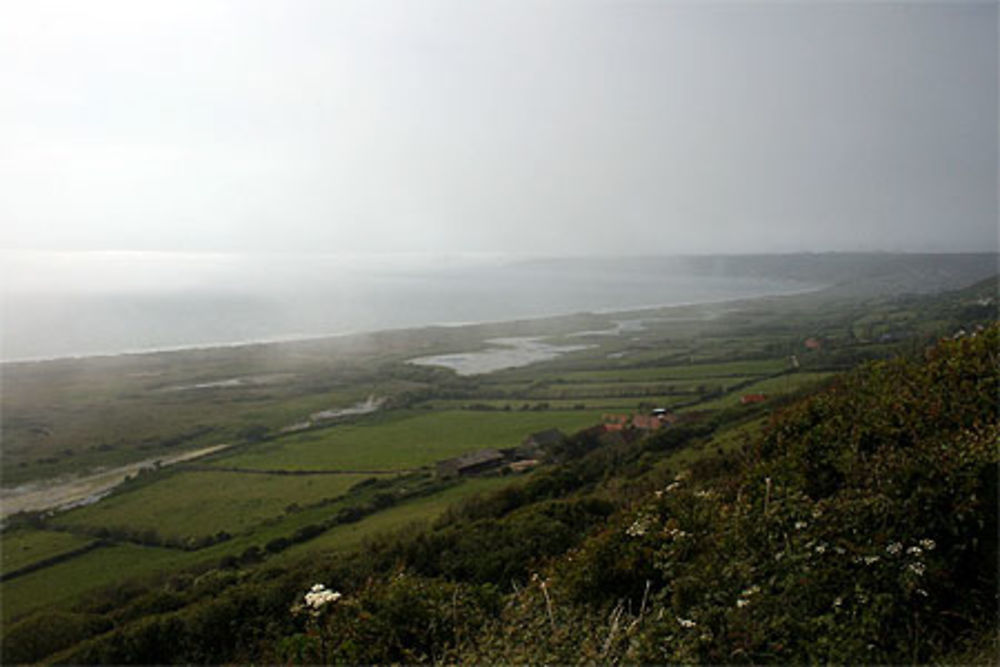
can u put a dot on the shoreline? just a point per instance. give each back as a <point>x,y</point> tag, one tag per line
<point>284,339</point>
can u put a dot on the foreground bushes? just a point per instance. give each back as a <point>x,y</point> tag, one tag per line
<point>861,529</point>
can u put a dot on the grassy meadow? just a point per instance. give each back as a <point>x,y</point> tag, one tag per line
<point>403,440</point>
<point>422,510</point>
<point>68,582</point>
<point>198,503</point>
<point>26,546</point>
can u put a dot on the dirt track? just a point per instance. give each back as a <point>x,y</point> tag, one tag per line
<point>63,492</point>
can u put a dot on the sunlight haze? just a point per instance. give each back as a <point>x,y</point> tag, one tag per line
<point>543,127</point>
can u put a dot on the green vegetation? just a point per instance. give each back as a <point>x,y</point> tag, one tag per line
<point>403,441</point>
<point>735,369</point>
<point>772,386</point>
<point>418,511</point>
<point>25,547</point>
<point>598,554</point>
<point>68,581</point>
<point>815,543</point>
<point>198,504</point>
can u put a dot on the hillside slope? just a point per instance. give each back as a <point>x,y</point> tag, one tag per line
<point>859,527</point>
<point>862,528</point>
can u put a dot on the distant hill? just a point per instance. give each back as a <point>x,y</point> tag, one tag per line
<point>854,274</point>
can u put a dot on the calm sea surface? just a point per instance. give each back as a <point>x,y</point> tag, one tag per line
<point>69,304</point>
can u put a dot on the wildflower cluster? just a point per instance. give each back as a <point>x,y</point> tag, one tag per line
<point>640,526</point>
<point>676,533</point>
<point>915,552</point>
<point>319,596</point>
<point>745,596</point>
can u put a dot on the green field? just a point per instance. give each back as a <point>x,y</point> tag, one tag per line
<point>769,387</point>
<point>558,404</point>
<point>19,548</point>
<point>680,372</point>
<point>66,582</point>
<point>609,389</point>
<point>200,503</point>
<point>417,510</point>
<point>405,441</point>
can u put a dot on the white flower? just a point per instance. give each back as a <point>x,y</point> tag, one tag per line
<point>915,551</point>
<point>319,595</point>
<point>686,622</point>
<point>922,592</point>
<point>838,601</point>
<point>638,527</point>
<point>894,549</point>
<point>745,595</point>
<point>799,525</point>
<point>870,560</point>
<point>673,486</point>
<point>820,548</point>
<point>928,543</point>
<point>917,568</point>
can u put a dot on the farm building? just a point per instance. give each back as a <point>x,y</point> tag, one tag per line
<point>813,344</point>
<point>665,416</point>
<point>646,422</point>
<point>521,466</point>
<point>747,399</point>
<point>614,422</point>
<point>471,463</point>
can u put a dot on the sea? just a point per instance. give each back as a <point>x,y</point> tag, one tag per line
<point>76,304</point>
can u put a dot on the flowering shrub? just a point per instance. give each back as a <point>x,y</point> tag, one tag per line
<point>318,597</point>
<point>863,531</point>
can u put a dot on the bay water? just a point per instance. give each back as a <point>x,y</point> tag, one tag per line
<point>59,304</point>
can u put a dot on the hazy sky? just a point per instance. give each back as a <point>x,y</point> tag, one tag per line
<point>546,127</point>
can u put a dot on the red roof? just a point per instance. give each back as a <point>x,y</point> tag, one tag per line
<point>752,398</point>
<point>646,422</point>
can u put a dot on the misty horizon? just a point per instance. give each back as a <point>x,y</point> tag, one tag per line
<point>214,171</point>
<point>112,303</point>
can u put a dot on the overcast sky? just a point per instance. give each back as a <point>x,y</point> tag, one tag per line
<point>543,127</point>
